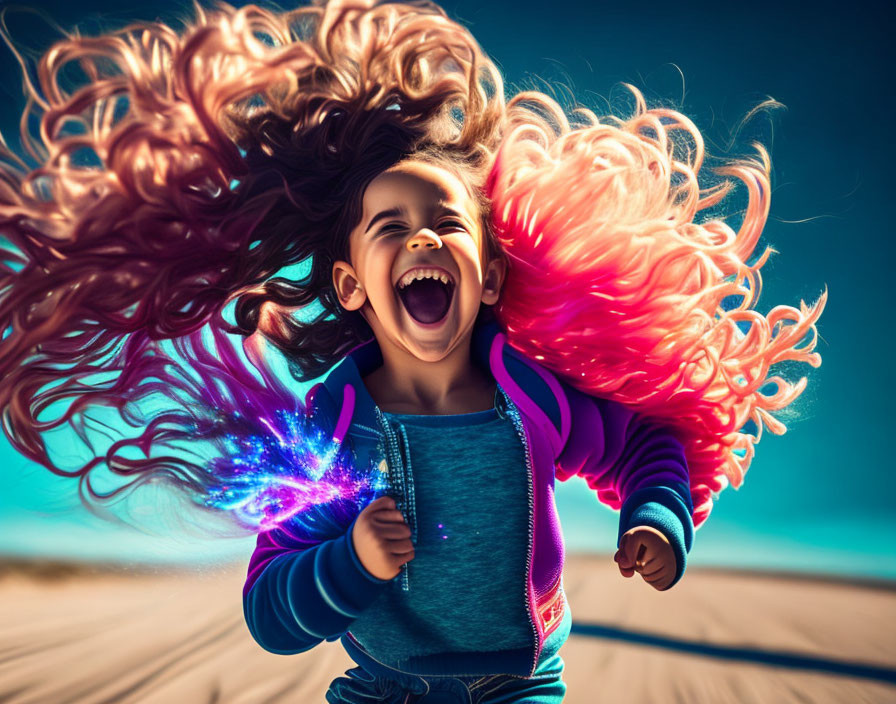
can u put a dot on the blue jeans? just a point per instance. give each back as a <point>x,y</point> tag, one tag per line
<point>362,687</point>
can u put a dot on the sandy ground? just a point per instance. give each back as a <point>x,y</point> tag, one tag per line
<point>93,636</point>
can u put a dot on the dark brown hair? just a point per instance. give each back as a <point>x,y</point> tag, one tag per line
<point>226,153</point>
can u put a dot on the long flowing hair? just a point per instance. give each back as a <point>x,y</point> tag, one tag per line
<point>618,285</point>
<point>165,192</point>
<point>184,174</point>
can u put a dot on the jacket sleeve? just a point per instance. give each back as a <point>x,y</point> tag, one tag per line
<point>632,464</point>
<point>295,599</point>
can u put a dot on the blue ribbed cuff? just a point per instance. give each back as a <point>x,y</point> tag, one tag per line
<point>665,510</point>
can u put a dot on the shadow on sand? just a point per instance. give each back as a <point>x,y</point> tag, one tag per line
<point>725,652</point>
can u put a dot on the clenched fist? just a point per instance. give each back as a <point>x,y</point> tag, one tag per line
<point>381,538</point>
<point>647,551</point>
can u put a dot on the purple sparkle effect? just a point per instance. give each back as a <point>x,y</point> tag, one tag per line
<point>239,440</point>
<point>288,473</point>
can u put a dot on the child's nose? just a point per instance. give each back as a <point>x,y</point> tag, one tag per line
<point>424,238</point>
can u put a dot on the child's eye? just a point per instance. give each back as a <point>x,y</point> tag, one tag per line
<point>453,225</point>
<point>447,223</point>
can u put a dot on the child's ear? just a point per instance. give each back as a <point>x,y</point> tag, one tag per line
<point>493,280</point>
<point>349,291</point>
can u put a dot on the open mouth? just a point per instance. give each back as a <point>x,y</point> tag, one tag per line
<point>427,300</point>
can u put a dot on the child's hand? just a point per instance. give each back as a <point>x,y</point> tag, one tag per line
<point>382,539</point>
<point>647,551</point>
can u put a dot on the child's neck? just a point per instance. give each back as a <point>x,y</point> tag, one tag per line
<point>450,386</point>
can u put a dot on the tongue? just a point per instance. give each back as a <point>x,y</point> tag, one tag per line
<point>426,300</point>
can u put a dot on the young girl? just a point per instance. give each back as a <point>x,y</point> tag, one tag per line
<point>451,413</point>
<point>505,299</point>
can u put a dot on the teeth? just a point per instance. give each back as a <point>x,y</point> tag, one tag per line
<point>424,274</point>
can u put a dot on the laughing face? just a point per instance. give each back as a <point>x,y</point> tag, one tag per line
<point>418,270</point>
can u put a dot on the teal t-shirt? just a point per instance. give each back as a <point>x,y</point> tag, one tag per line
<point>467,581</point>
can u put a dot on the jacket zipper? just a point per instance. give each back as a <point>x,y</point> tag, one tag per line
<point>396,471</point>
<point>521,431</point>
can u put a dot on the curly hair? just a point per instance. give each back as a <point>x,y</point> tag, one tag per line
<point>243,145</point>
<point>228,152</point>
<point>618,286</point>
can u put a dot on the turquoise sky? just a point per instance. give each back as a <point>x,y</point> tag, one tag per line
<point>820,497</point>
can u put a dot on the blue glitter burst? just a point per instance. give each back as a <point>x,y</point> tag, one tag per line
<point>286,469</point>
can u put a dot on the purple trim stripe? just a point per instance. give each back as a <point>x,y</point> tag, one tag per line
<point>345,414</point>
<point>520,398</point>
<point>562,402</point>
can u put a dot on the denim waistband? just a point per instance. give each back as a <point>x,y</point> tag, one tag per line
<point>549,670</point>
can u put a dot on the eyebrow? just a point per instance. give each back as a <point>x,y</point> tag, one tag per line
<point>392,212</point>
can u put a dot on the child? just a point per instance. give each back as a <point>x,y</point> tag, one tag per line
<point>470,433</point>
<point>505,299</point>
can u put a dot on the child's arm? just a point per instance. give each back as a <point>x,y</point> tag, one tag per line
<point>633,464</point>
<point>296,598</point>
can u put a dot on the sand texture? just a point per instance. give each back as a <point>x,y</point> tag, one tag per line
<point>166,637</point>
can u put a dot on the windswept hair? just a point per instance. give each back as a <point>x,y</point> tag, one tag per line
<point>189,168</point>
<point>618,285</point>
<point>225,153</point>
